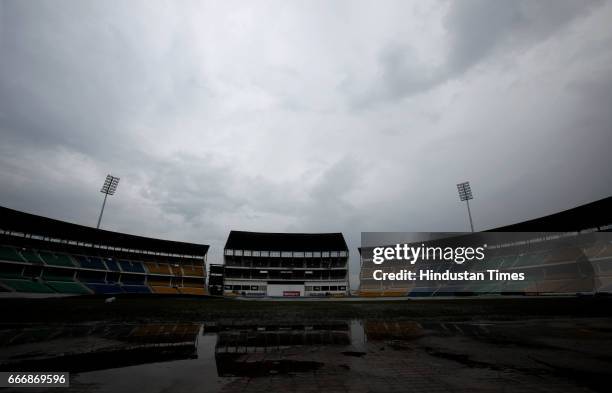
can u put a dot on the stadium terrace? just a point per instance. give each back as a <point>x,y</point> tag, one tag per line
<point>39,255</point>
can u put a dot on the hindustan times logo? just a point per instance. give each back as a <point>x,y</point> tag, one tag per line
<point>404,252</point>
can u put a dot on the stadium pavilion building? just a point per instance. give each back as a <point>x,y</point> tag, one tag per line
<point>46,256</point>
<point>285,264</point>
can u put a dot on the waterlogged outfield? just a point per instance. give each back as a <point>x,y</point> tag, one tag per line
<point>171,309</point>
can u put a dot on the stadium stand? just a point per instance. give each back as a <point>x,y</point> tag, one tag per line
<point>280,264</point>
<point>56,259</point>
<point>193,271</point>
<point>90,262</point>
<point>68,287</point>
<point>31,256</point>
<point>131,266</point>
<point>112,265</point>
<point>28,286</point>
<point>565,253</point>
<point>42,255</point>
<point>9,254</point>
<point>155,268</point>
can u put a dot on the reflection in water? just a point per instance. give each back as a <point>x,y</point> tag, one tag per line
<point>86,348</point>
<point>237,340</point>
<point>354,355</point>
<point>81,349</point>
<point>240,349</point>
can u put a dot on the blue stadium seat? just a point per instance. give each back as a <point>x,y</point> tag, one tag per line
<point>128,266</point>
<point>136,289</point>
<point>112,265</point>
<point>90,262</point>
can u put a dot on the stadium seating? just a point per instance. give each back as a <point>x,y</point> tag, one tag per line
<point>31,256</point>
<point>161,268</point>
<point>9,254</point>
<point>192,270</point>
<point>68,287</point>
<point>564,271</point>
<point>131,266</point>
<point>90,262</point>
<point>594,250</point>
<point>564,255</point>
<point>112,265</point>
<point>28,286</point>
<point>56,259</point>
<point>33,271</point>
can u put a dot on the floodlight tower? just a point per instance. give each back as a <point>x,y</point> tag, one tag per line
<point>108,188</point>
<point>465,194</point>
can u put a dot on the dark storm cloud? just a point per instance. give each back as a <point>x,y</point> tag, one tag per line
<point>475,29</point>
<point>291,116</point>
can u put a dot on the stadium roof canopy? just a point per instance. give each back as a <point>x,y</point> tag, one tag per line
<point>596,214</point>
<point>31,224</point>
<point>239,240</point>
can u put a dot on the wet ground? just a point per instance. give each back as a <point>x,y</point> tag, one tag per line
<point>348,355</point>
<point>170,344</point>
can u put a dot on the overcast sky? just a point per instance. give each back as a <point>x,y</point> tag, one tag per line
<point>304,116</point>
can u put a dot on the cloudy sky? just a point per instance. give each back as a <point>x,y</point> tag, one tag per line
<point>304,116</point>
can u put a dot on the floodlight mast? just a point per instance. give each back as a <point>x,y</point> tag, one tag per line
<point>108,188</point>
<point>465,194</point>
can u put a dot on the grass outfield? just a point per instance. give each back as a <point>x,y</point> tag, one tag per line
<point>184,309</point>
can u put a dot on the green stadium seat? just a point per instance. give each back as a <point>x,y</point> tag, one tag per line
<point>56,259</point>
<point>9,254</point>
<point>31,256</point>
<point>68,287</point>
<point>27,286</point>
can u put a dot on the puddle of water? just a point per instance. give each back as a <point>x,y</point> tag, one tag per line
<point>214,357</point>
<point>172,357</point>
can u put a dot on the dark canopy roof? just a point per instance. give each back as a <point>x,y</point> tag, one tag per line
<point>596,214</point>
<point>13,220</point>
<point>239,240</point>
<point>592,215</point>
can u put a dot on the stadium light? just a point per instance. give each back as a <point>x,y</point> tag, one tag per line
<point>108,188</point>
<point>465,194</point>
